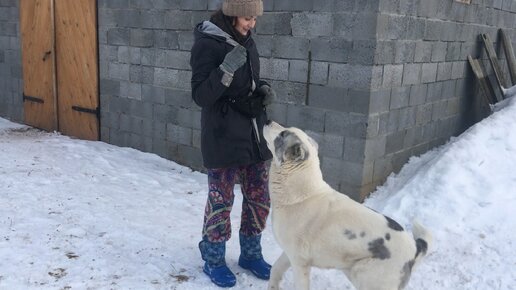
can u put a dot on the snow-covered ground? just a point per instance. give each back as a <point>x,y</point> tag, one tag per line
<point>88,215</point>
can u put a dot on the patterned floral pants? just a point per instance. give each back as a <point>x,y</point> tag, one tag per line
<point>255,206</point>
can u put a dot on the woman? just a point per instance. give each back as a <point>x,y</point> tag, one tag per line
<point>226,85</point>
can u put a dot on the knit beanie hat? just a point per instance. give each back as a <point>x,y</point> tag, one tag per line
<point>242,7</point>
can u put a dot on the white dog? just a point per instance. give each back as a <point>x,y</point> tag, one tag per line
<point>317,226</point>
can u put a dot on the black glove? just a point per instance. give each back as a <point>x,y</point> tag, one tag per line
<point>267,93</point>
<point>234,59</point>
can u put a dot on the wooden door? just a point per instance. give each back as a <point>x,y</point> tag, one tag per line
<point>60,66</point>
<point>36,26</point>
<point>77,68</point>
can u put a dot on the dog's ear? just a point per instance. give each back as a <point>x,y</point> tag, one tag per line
<point>297,152</point>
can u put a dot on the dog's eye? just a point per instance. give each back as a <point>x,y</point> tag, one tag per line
<point>283,133</point>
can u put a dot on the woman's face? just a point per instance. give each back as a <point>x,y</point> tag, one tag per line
<point>244,24</point>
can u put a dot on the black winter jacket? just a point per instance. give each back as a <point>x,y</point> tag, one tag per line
<point>227,136</point>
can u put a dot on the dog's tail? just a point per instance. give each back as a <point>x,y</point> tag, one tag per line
<point>423,240</point>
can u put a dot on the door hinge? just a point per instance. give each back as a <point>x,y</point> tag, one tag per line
<point>33,99</point>
<point>95,111</point>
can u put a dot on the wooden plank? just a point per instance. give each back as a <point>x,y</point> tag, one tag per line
<point>493,60</point>
<point>483,80</point>
<point>77,67</point>
<point>37,63</point>
<point>509,54</point>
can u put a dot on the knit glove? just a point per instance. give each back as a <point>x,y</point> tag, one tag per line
<point>234,59</point>
<point>269,95</point>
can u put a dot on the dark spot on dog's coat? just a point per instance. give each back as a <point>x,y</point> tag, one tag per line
<point>351,235</point>
<point>393,224</point>
<point>362,234</point>
<point>405,273</point>
<point>379,250</point>
<point>387,236</point>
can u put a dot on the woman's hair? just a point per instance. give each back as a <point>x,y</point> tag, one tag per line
<point>226,23</point>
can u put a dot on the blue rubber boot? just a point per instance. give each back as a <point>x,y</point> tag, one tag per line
<point>215,263</point>
<point>251,257</point>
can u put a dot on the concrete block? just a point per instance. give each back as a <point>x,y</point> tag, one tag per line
<point>277,112</point>
<point>392,76</point>
<point>350,76</point>
<point>290,47</point>
<point>346,124</point>
<point>179,98</point>
<point>458,69</point>
<point>439,50</point>
<point>186,40</point>
<point>354,149</point>
<point>453,52</point>
<point>178,20</point>
<point>344,24</point>
<point>358,101</point>
<point>333,169</point>
<point>272,68</point>
<point>165,114</point>
<point>179,135</point>
<point>109,87</point>
<point>177,59</point>
<point>140,109</point>
<point>375,148</point>
<point>429,72</point>
<point>363,52</point>
<point>194,5</point>
<point>444,71</point>
<point>331,146</point>
<point>287,5</point>
<point>311,25</point>
<point>319,73</point>
<point>264,44</point>
<point>118,71</point>
<point>166,39</point>
<point>448,91</point>
<point>407,118</point>
<point>331,49</point>
<point>153,19</point>
<point>423,114</point>
<point>394,142</point>
<point>142,38</point>
<point>379,101</point>
<point>400,97</point>
<point>328,98</point>
<point>153,94</point>
<point>290,92</point>
<point>119,36</point>
<point>384,53</point>
<point>434,92</point>
<point>423,51</point>
<point>274,24</point>
<point>404,51</point>
<point>417,94</point>
<point>131,90</point>
<point>412,73</point>
<point>365,24</point>
<point>306,118</point>
<point>298,71</point>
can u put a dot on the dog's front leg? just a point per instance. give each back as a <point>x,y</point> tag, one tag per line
<point>301,276</point>
<point>278,269</point>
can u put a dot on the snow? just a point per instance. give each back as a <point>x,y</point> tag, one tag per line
<point>78,214</point>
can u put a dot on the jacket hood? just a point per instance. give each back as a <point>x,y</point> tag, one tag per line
<point>208,29</point>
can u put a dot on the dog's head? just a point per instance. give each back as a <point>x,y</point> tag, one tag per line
<point>289,146</point>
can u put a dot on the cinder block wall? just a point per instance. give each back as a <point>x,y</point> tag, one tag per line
<point>11,85</point>
<point>373,81</point>
<point>423,89</point>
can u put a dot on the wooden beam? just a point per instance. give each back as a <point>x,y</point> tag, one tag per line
<point>493,60</point>
<point>483,80</point>
<point>509,54</point>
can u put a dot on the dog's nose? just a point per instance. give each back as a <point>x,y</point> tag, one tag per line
<point>268,122</point>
